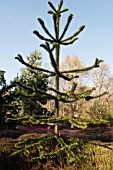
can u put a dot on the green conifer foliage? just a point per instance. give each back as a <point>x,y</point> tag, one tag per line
<point>9,105</point>
<point>55,147</point>
<point>27,85</point>
<point>52,44</point>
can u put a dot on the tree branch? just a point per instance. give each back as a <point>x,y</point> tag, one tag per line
<point>75,34</point>
<point>20,59</point>
<point>66,26</point>
<point>44,27</point>
<point>42,37</point>
<point>96,64</point>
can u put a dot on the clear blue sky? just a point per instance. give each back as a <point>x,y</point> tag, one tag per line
<point>18,19</point>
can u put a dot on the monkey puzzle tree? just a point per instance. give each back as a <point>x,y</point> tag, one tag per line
<point>57,146</point>
<point>52,45</point>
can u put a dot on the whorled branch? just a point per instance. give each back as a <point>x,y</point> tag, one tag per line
<point>20,59</point>
<point>74,35</point>
<point>69,42</point>
<point>51,5</point>
<point>66,26</point>
<point>96,64</point>
<point>42,37</point>
<point>35,93</point>
<point>44,27</point>
<point>53,62</point>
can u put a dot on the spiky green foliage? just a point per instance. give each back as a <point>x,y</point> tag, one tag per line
<point>61,150</point>
<point>61,147</point>
<point>56,41</point>
<point>52,44</point>
<point>40,120</point>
